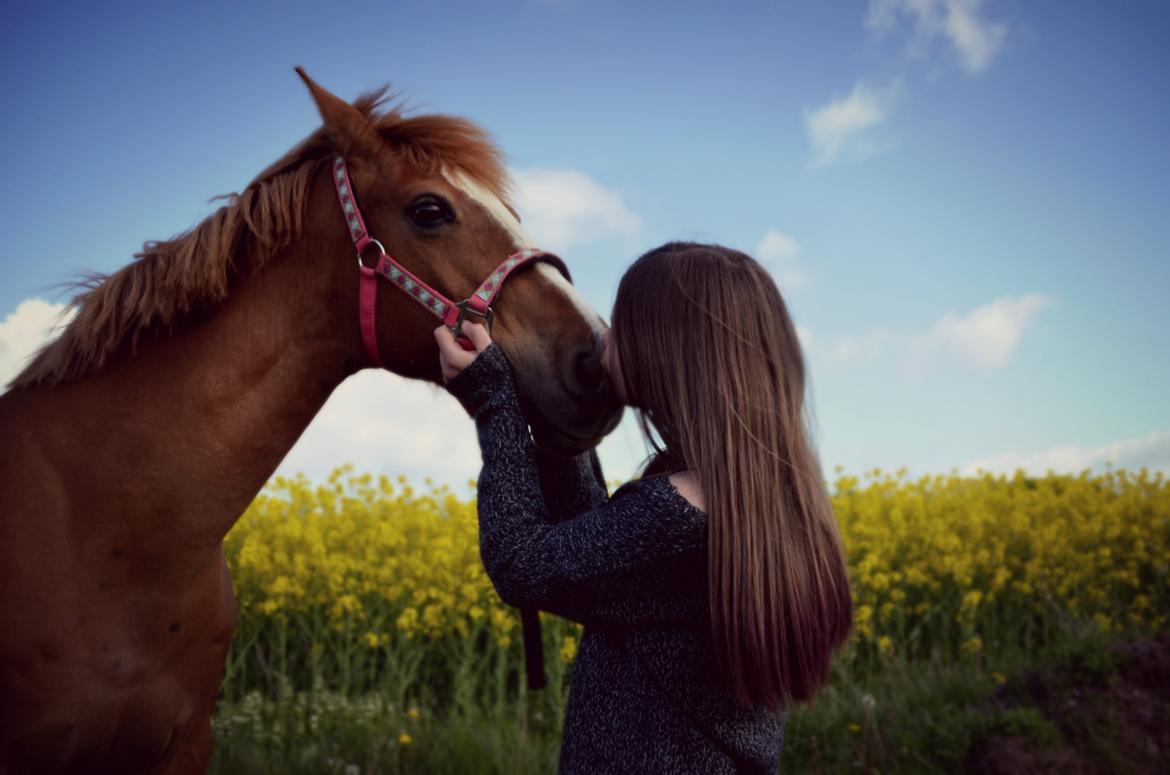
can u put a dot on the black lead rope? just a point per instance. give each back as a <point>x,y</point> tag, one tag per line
<point>533,650</point>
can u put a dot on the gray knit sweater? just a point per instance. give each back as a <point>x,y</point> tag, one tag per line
<point>646,693</point>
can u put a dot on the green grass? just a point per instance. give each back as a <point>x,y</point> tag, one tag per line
<point>904,716</point>
<point>324,732</point>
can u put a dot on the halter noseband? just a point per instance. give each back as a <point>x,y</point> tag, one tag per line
<point>452,313</point>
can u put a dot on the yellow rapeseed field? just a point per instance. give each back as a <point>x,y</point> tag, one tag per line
<point>359,550</point>
<point>995,557</point>
<point>347,578</point>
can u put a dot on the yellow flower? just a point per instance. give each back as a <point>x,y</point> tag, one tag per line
<point>412,713</point>
<point>568,648</point>
<point>371,561</point>
<point>405,739</point>
<point>408,621</point>
<point>854,728</point>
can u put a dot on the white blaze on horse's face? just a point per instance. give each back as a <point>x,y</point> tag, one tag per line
<point>492,204</point>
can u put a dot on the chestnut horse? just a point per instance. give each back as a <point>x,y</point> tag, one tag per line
<point>134,441</point>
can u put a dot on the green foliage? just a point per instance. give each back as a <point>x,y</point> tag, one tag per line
<point>370,639</point>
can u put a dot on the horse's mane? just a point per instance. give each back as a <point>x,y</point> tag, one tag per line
<point>192,270</point>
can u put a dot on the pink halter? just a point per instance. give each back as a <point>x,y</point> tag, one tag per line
<point>450,312</point>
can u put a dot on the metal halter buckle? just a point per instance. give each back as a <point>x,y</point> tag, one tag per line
<point>381,249</point>
<point>465,308</point>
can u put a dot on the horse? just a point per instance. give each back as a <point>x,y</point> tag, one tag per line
<point>134,440</point>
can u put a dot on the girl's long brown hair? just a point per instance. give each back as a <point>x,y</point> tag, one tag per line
<point>710,358</point>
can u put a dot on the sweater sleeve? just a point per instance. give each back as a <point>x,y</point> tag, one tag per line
<point>570,485</point>
<point>584,568</point>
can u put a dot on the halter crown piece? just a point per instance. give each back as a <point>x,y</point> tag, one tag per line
<point>450,312</point>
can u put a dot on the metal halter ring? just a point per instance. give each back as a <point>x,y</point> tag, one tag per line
<point>465,308</point>
<point>371,242</point>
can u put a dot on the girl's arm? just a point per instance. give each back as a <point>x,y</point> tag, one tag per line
<point>570,485</point>
<point>584,568</point>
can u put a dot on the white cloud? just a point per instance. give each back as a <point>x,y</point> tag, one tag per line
<point>805,336</point>
<point>566,208</point>
<point>839,130</point>
<point>987,337</point>
<point>842,129</point>
<point>975,40</point>
<point>33,323</point>
<point>383,423</point>
<point>867,347</point>
<point>777,252</point>
<point>1151,451</point>
<point>984,339</point>
<point>623,451</point>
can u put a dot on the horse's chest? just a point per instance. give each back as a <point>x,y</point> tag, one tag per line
<point>115,692</point>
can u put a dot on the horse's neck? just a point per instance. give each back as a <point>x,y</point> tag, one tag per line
<point>176,440</point>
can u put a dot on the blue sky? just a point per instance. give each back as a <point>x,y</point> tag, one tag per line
<point>964,203</point>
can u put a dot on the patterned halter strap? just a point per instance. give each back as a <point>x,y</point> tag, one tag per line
<point>452,313</point>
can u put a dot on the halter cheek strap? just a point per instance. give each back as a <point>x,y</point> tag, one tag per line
<point>451,313</point>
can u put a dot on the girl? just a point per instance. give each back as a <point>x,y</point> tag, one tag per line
<point>713,588</point>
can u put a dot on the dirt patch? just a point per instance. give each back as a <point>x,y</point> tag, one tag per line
<point>1102,713</point>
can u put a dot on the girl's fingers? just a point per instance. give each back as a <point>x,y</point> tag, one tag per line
<point>456,353</point>
<point>446,340</point>
<point>478,334</point>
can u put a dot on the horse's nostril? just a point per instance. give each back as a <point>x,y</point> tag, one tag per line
<point>587,373</point>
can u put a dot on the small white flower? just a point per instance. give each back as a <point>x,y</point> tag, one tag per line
<point>867,701</point>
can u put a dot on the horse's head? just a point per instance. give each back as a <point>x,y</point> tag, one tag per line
<point>432,190</point>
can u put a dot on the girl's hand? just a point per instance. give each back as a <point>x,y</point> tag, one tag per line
<point>454,356</point>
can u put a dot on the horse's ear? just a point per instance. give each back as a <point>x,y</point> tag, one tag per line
<point>347,130</point>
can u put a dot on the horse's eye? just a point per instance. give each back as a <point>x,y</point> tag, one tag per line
<point>430,213</point>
